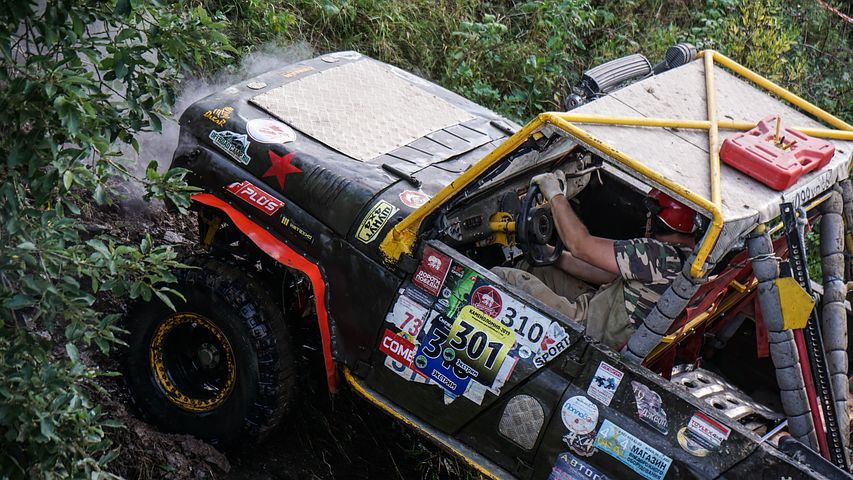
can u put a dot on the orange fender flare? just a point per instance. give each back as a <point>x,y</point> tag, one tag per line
<point>286,256</point>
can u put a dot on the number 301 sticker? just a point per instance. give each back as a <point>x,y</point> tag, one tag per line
<point>480,343</point>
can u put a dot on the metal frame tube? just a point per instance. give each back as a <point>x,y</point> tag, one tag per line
<point>713,131</point>
<point>694,124</point>
<point>791,97</point>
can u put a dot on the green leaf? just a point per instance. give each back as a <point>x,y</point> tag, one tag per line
<point>26,246</point>
<point>19,301</point>
<point>127,34</point>
<point>99,246</point>
<point>100,195</point>
<point>156,124</point>
<point>122,7</point>
<point>120,70</point>
<point>72,352</point>
<point>165,299</point>
<point>103,345</point>
<point>46,428</point>
<point>68,179</point>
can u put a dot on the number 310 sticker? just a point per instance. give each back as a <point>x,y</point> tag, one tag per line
<point>481,343</point>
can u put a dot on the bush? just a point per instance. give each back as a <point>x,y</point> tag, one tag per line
<point>522,63</point>
<point>79,80</point>
<point>520,58</point>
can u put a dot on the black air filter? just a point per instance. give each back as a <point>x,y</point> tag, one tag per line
<point>679,55</point>
<point>609,76</point>
<point>676,56</point>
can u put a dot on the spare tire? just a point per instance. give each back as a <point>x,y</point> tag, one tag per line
<point>221,366</point>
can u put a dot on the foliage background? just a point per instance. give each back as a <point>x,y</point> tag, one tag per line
<point>80,80</point>
<point>522,57</point>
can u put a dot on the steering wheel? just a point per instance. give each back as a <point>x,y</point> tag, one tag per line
<point>534,229</point>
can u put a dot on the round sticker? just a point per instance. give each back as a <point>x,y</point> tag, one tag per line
<point>420,361</point>
<point>266,130</point>
<point>414,199</point>
<point>580,415</point>
<point>690,446</point>
<point>448,354</point>
<point>487,300</point>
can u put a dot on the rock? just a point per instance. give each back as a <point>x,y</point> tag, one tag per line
<point>173,237</point>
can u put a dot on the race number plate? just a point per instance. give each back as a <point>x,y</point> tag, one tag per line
<point>480,344</point>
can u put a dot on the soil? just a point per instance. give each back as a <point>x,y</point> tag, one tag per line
<point>323,437</point>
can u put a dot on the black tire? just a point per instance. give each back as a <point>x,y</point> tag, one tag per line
<point>221,368</point>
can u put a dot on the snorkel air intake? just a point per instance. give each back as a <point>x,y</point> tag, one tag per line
<point>676,56</point>
<point>609,76</point>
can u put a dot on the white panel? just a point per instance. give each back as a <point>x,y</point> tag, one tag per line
<point>362,109</point>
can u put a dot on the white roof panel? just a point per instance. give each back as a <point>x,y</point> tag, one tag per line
<point>362,109</point>
<point>682,155</point>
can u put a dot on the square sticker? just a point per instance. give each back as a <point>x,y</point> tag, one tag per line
<point>604,383</point>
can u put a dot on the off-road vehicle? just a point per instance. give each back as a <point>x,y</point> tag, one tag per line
<point>376,202</point>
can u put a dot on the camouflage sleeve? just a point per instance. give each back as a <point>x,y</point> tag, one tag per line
<point>646,260</point>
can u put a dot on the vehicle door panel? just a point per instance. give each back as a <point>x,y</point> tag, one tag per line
<point>444,359</point>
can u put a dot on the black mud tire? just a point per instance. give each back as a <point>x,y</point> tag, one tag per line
<point>237,307</point>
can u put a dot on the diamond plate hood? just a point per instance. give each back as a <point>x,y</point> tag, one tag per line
<point>351,118</point>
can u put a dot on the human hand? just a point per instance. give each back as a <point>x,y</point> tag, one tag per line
<point>551,184</point>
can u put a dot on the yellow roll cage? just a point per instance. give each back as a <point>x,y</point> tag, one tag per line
<point>401,239</point>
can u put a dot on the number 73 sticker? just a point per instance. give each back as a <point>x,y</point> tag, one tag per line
<point>480,343</point>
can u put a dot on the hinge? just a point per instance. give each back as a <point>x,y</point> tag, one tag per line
<point>572,367</point>
<point>361,369</point>
<point>523,469</point>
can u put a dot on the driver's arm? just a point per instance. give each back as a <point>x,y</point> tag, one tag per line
<point>583,270</point>
<point>593,250</point>
<point>596,251</point>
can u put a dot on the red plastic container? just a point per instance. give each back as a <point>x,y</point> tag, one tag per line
<point>757,154</point>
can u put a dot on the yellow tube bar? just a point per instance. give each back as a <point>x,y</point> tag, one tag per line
<point>791,97</point>
<point>713,134</point>
<point>694,124</point>
<point>402,237</point>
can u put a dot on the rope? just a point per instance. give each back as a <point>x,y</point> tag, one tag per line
<point>836,11</point>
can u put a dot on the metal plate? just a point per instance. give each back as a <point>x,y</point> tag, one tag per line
<point>725,398</point>
<point>521,421</point>
<point>361,109</point>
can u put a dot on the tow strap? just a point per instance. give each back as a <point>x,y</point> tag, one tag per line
<point>815,355</point>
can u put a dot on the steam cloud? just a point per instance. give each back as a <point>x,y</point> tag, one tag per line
<point>161,146</point>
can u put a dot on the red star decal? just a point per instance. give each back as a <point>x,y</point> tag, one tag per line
<point>281,167</point>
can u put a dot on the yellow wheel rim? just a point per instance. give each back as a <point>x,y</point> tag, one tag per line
<point>180,374</point>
